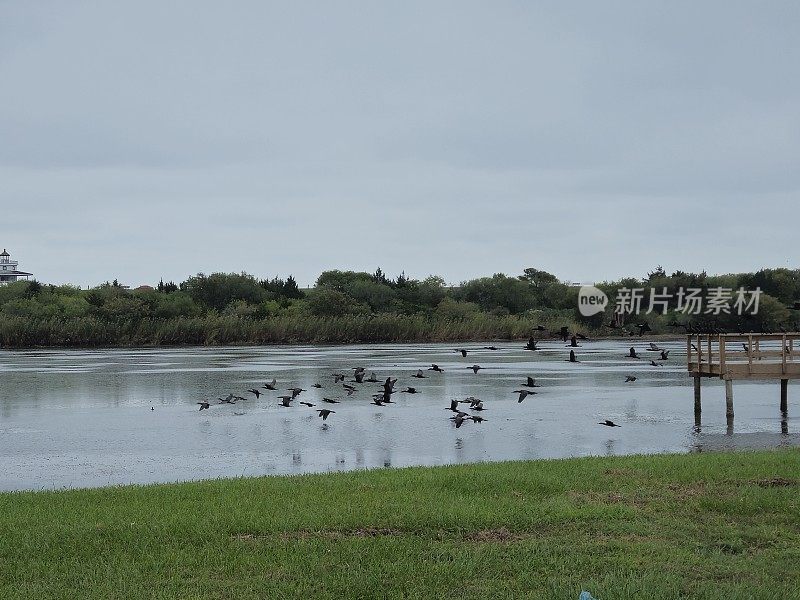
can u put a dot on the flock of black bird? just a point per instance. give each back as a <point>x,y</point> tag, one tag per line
<point>382,396</point>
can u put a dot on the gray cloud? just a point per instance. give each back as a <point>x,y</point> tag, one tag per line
<point>146,140</point>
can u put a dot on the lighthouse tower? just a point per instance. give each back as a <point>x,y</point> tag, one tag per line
<point>8,269</point>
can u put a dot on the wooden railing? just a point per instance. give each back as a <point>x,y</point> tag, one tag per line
<point>742,356</point>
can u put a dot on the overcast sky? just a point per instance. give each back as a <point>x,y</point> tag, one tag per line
<point>142,140</point>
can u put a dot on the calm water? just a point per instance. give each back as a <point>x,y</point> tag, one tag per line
<point>84,418</point>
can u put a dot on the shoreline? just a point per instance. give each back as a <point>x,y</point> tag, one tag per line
<point>665,337</point>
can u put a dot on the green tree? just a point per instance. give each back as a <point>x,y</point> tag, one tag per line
<point>489,293</point>
<point>538,278</point>
<point>453,310</point>
<point>328,302</point>
<point>176,304</point>
<point>290,289</point>
<point>342,280</point>
<point>220,289</point>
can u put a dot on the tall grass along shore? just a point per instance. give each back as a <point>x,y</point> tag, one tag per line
<point>682,526</point>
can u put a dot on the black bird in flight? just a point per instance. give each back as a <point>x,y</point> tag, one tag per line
<point>385,397</point>
<point>475,368</point>
<point>459,419</point>
<point>608,423</point>
<point>410,390</point>
<point>531,345</point>
<point>531,383</point>
<point>324,413</point>
<point>572,357</point>
<point>204,405</point>
<point>256,392</point>
<point>285,401</point>
<point>307,404</point>
<point>331,401</point>
<point>419,374</point>
<point>462,351</point>
<point>436,368</point>
<point>523,394</point>
<point>629,378</point>
<point>271,385</point>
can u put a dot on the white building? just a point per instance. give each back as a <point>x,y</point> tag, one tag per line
<point>8,269</point>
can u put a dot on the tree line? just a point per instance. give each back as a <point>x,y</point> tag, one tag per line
<point>350,306</point>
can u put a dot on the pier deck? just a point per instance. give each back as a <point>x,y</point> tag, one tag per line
<point>748,356</point>
<point>732,356</point>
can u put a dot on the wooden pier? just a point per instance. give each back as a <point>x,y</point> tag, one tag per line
<point>730,356</point>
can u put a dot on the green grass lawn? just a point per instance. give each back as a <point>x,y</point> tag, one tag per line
<point>691,526</point>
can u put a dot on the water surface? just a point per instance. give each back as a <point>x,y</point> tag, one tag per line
<point>72,418</point>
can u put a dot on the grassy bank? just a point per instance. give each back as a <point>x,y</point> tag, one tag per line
<point>693,526</point>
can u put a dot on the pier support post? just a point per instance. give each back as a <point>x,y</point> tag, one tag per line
<point>697,405</point>
<point>728,398</point>
<point>784,395</point>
